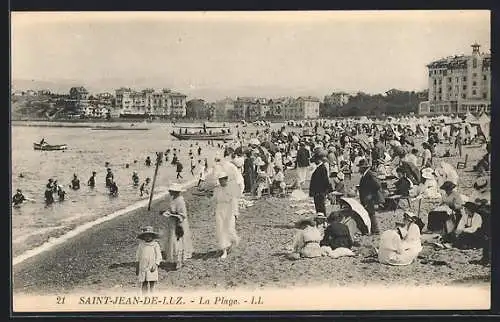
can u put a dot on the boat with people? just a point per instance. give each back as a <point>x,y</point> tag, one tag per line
<point>203,133</point>
<point>49,147</point>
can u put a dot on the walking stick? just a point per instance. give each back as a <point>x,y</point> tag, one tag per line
<point>419,204</point>
<point>159,157</point>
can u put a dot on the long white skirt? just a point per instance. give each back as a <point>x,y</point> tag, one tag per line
<point>302,174</point>
<point>225,223</point>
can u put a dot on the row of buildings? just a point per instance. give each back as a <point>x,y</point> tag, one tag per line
<point>459,84</point>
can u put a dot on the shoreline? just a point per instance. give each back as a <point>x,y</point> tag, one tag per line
<point>72,231</point>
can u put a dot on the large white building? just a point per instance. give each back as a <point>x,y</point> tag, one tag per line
<point>459,84</point>
<point>302,108</point>
<point>149,102</point>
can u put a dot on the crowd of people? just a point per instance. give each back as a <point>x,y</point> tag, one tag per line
<point>392,170</point>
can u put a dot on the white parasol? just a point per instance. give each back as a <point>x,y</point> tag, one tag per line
<point>358,209</point>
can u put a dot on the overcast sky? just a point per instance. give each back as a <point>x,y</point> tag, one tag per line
<point>316,52</point>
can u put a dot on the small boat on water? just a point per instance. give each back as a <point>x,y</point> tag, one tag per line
<point>49,147</point>
<point>190,133</point>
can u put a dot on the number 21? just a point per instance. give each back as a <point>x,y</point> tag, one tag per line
<point>60,300</point>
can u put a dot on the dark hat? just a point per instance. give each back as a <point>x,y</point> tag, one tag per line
<point>305,222</point>
<point>471,206</point>
<point>447,186</point>
<point>93,172</point>
<point>19,190</point>
<point>363,163</point>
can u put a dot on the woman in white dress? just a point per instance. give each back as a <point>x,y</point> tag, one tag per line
<point>226,211</point>
<point>177,243</point>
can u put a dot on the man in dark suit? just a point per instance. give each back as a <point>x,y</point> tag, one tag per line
<point>369,192</point>
<point>320,186</point>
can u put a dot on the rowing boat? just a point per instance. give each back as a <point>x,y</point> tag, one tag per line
<point>49,147</point>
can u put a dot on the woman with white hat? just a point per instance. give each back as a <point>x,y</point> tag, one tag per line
<point>177,243</point>
<point>429,187</point>
<point>226,212</point>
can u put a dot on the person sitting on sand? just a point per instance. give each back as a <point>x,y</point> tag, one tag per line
<point>75,183</point>
<point>446,172</point>
<point>392,248</point>
<point>91,181</point>
<point>135,179</point>
<point>336,233</point>
<point>428,189</point>
<point>412,241</point>
<point>306,240</point>
<point>148,257</point>
<point>467,233</point>
<point>144,189</point>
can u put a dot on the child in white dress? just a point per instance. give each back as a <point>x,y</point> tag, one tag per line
<point>148,257</point>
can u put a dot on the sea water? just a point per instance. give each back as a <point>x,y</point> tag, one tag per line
<point>88,150</point>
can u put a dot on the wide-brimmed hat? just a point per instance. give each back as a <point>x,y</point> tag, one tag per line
<point>305,222</point>
<point>471,206</point>
<point>363,163</point>
<point>147,230</point>
<point>481,183</point>
<point>428,173</point>
<point>447,185</point>
<point>238,162</point>
<point>176,187</point>
<point>222,175</point>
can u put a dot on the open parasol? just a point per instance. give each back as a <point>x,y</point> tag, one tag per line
<point>359,210</point>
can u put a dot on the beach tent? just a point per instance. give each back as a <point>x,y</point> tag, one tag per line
<point>483,122</point>
<point>359,211</point>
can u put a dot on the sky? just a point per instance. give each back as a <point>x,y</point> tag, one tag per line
<point>217,54</point>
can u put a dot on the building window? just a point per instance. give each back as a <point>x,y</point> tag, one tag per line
<point>485,95</point>
<point>485,77</point>
<point>449,88</point>
<point>474,63</point>
<point>473,92</point>
<point>449,79</point>
<point>464,87</point>
<point>464,79</point>
<point>474,83</point>
<point>463,95</point>
<point>456,79</point>
<point>474,75</point>
<point>435,81</point>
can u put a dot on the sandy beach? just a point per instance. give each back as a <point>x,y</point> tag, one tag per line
<point>102,258</point>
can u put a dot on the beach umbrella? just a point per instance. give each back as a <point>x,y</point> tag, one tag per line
<point>363,141</point>
<point>412,171</point>
<point>358,210</point>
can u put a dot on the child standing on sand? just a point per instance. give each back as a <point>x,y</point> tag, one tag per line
<point>148,257</point>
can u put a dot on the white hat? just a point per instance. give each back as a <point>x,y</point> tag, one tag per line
<point>175,187</point>
<point>221,175</point>
<point>219,155</point>
<point>428,173</point>
<point>340,175</point>
<point>238,162</point>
